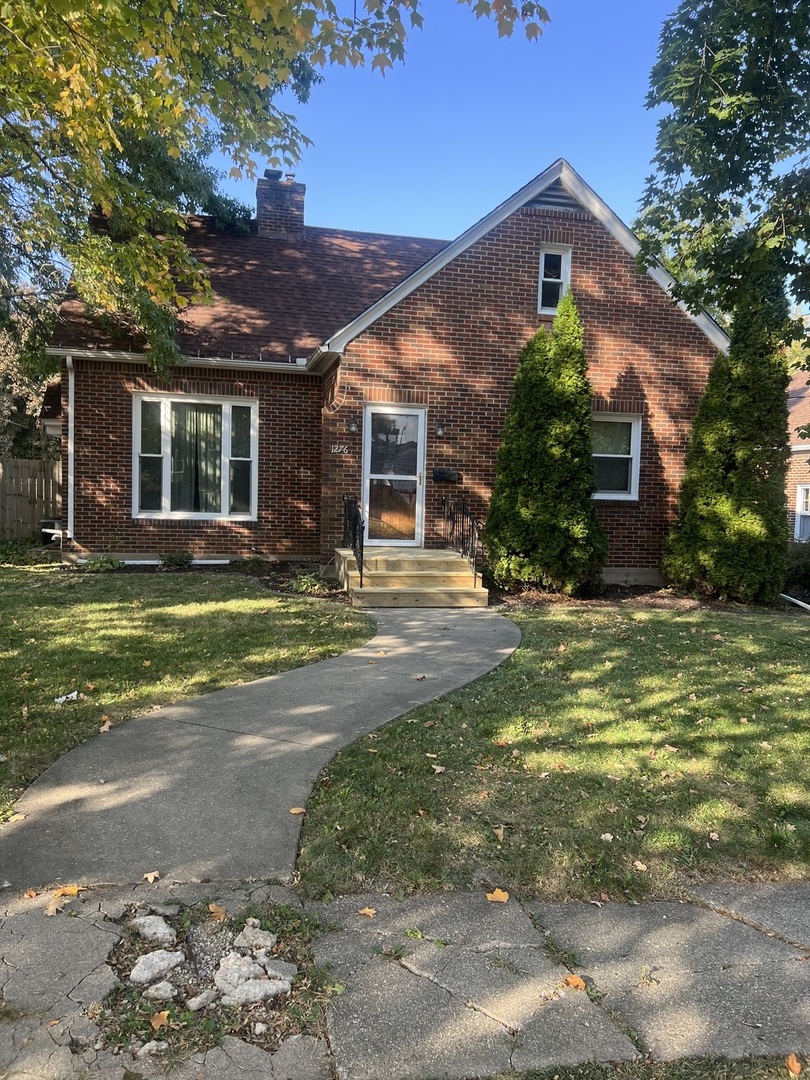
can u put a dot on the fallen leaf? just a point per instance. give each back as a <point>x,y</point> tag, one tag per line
<point>794,1066</point>
<point>106,723</point>
<point>431,755</point>
<point>672,749</point>
<point>604,897</point>
<point>575,982</point>
<point>421,812</point>
<point>69,890</point>
<point>498,830</point>
<point>54,906</point>
<point>30,894</point>
<point>369,912</point>
<point>298,810</point>
<point>498,896</point>
<point>217,913</point>
<point>53,1023</point>
<point>160,1020</point>
<point>714,836</point>
<point>148,663</point>
<point>438,768</point>
<point>421,678</point>
<point>151,877</point>
<point>607,837</point>
<point>90,686</point>
<point>766,746</point>
<point>640,866</point>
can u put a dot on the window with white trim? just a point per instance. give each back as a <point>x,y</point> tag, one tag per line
<point>616,444</point>
<point>803,512</point>
<point>194,458</point>
<point>555,277</point>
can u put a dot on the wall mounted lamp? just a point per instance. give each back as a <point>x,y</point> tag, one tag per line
<point>440,430</point>
<point>352,425</point>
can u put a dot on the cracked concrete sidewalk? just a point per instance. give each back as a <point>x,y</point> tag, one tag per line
<point>444,987</point>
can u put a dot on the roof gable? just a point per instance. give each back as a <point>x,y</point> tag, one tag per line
<point>558,187</point>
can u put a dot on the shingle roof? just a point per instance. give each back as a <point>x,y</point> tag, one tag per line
<point>277,298</point>
<point>798,406</point>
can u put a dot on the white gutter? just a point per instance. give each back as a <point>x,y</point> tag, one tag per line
<point>71,446</point>
<point>115,356</point>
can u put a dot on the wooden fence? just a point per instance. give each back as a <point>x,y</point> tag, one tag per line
<point>29,492</point>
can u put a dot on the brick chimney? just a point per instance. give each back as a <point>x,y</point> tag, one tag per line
<point>280,206</point>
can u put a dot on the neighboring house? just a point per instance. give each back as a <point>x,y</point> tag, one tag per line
<point>340,362</point>
<point>798,481</point>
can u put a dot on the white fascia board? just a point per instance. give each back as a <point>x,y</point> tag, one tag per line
<point>115,356</point>
<point>582,192</point>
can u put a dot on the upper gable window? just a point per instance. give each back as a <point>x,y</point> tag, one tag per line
<point>803,512</point>
<point>194,458</point>
<point>555,277</point>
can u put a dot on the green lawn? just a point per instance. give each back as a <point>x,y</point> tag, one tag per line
<point>687,1069</point>
<point>132,642</point>
<point>621,751</point>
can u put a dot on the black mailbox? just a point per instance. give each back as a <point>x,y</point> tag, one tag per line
<point>447,476</point>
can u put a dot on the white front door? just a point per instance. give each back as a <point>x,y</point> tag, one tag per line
<point>393,475</point>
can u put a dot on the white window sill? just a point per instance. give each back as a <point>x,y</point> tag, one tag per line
<point>617,496</point>
<point>219,519</point>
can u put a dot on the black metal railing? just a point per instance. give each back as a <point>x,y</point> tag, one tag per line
<point>354,530</point>
<point>461,532</point>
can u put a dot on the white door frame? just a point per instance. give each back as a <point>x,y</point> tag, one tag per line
<point>419,477</point>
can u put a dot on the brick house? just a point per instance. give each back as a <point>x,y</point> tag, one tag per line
<point>798,478</point>
<point>340,362</point>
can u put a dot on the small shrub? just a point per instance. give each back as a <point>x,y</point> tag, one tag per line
<point>176,560</point>
<point>105,564</point>
<point>310,584</point>
<point>798,567</point>
<point>253,565</point>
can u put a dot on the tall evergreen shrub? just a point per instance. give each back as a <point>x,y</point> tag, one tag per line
<point>542,527</point>
<point>731,535</point>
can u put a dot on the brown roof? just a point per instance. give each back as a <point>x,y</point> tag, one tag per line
<point>277,298</point>
<point>798,405</point>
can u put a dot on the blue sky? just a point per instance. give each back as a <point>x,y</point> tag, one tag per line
<point>469,118</point>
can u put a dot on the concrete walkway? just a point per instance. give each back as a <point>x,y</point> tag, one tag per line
<point>203,790</point>
<point>445,987</point>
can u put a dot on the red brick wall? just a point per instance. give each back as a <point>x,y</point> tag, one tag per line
<point>798,473</point>
<point>453,346</point>
<point>289,464</point>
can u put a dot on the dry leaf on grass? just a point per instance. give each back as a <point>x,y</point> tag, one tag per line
<point>498,896</point>
<point>438,769</point>
<point>298,810</point>
<point>794,1066</point>
<point>106,723</point>
<point>574,982</point>
<point>69,890</point>
<point>369,912</point>
<point>30,894</point>
<point>217,913</point>
<point>160,1020</point>
<point>151,876</point>
<point>498,830</point>
<point>640,866</point>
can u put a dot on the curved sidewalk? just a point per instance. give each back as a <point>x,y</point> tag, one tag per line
<point>203,790</point>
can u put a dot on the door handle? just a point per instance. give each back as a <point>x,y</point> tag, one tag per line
<point>419,479</point>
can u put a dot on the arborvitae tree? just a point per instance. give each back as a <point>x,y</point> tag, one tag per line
<point>731,536</point>
<point>542,527</point>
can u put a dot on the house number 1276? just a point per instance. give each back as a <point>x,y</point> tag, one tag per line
<point>339,448</point>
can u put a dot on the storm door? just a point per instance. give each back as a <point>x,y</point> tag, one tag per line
<point>393,464</point>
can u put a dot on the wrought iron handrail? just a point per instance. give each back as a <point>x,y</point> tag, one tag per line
<point>462,532</point>
<point>354,529</point>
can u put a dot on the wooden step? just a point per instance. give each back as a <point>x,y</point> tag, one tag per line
<point>382,597</point>
<point>414,578</point>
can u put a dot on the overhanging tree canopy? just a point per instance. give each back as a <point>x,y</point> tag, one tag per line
<point>731,185</point>
<point>82,81</point>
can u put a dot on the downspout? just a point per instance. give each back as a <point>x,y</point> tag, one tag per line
<point>71,447</point>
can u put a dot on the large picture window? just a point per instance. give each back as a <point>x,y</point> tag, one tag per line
<point>616,444</point>
<point>194,458</point>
